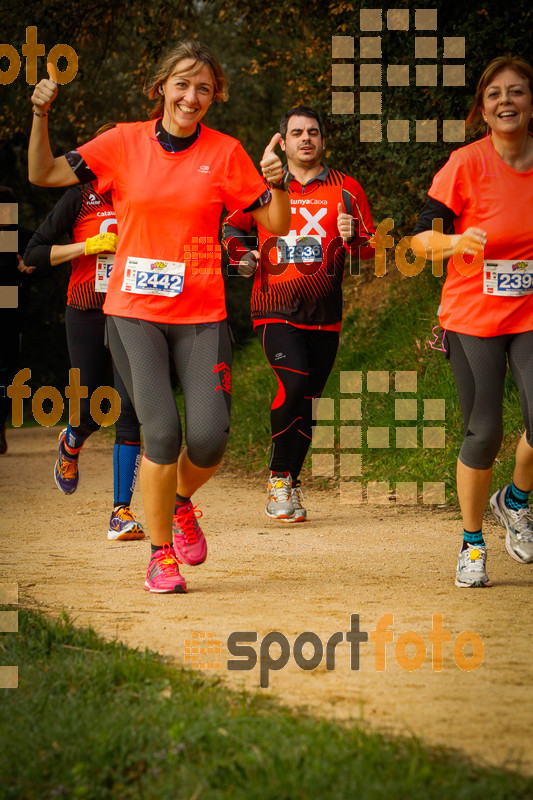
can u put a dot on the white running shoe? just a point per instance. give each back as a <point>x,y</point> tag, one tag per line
<point>300,513</point>
<point>280,504</point>
<point>519,527</point>
<point>471,571</point>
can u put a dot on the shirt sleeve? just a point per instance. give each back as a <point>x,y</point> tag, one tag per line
<point>265,198</point>
<point>102,155</point>
<point>450,184</point>
<point>79,167</point>
<point>57,224</point>
<point>244,185</point>
<point>433,209</point>
<point>236,235</point>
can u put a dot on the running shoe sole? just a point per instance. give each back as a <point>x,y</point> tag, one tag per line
<point>297,518</point>
<point>127,535</point>
<point>177,590</point>
<point>474,585</point>
<point>281,517</point>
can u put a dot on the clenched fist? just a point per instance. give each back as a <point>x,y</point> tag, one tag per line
<point>101,243</point>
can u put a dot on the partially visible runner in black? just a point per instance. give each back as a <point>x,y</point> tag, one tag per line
<point>88,218</point>
<point>13,272</point>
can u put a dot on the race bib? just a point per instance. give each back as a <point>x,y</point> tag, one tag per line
<point>104,265</point>
<point>294,249</point>
<point>508,278</point>
<point>150,276</point>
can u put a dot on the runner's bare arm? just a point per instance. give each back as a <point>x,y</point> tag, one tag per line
<point>43,168</point>
<point>426,243</point>
<point>61,253</point>
<point>101,243</point>
<point>276,215</point>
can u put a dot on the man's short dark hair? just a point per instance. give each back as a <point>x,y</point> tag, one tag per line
<point>301,111</point>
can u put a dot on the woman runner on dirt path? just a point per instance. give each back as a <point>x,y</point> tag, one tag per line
<point>169,179</point>
<point>485,191</point>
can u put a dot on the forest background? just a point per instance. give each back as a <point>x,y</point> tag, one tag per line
<point>277,54</point>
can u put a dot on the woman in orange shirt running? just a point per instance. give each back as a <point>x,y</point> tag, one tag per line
<point>485,191</point>
<point>169,178</point>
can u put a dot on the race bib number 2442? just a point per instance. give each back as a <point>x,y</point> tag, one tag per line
<point>152,276</point>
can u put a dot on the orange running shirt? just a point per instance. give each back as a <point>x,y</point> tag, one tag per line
<point>168,208</point>
<point>484,192</point>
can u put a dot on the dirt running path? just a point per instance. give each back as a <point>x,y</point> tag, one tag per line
<point>265,576</point>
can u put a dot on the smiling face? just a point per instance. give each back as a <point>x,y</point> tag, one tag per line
<point>188,93</point>
<point>303,142</point>
<point>508,103</point>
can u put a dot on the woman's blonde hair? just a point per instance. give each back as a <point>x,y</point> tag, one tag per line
<point>475,119</point>
<point>201,55</point>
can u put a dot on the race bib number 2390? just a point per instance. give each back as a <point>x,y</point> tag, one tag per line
<point>508,278</point>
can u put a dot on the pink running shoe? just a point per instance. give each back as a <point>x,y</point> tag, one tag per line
<point>163,576</point>
<point>189,540</point>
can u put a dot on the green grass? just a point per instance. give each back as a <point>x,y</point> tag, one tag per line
<point>391,337</point>
<point>95,720</point>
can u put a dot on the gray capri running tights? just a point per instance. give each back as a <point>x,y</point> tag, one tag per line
<point>479,365</point>
<point>202,357</point>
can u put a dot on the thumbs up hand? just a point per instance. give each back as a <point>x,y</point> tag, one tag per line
<point>45,92</point>
<point>345,224</point>
<point>271,165</point>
